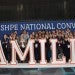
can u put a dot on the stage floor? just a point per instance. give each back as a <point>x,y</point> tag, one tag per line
<point>37,65</point>
<point>47,71</point>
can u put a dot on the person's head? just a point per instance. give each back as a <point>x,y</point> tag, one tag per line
<point>43,36</point>
<point>39,35</point>
<point>57,30</point>
<point>66,37</point>
<point>50,35</point>
<point>68,30</point>
<point>74,36</point>
<point>33,33</point>
<point>30,36</point>
<point>15,32</point>
<point>74,33</point>
<point>59,34</point>
<point>43,32</point>
<point>63,32</point>
<point>5,36</point>
<point>24,32</point>
<point>46,32</point>
<point>36,35</point>
<point>70,35</point>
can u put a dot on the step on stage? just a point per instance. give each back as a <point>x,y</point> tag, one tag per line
<point>47,71</point>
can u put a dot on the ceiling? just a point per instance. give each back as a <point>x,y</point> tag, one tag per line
<point>17,10</point>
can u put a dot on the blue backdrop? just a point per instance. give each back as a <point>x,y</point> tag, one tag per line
<point>30,26</point>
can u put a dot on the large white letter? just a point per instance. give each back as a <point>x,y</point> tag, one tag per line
<point>54,60</point>
<point>72,50</point>
<point>43,57</point>
<point>22,56</point>
<point>2,56</point>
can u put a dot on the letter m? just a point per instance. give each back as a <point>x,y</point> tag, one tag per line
<point>16,50</point>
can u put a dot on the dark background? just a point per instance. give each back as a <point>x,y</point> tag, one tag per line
<point>22,10</point>
<point>26,10</point>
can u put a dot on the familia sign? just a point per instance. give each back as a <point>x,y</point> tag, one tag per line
<point>38,45</point>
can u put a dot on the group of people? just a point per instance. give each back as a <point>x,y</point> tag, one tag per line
<point>62,45</point>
